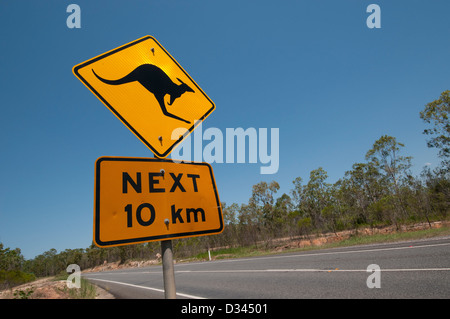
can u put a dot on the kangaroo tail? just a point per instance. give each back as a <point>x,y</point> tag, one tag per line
<point>125,79</point>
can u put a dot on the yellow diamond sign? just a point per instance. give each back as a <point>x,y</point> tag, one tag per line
<point>146,88</point>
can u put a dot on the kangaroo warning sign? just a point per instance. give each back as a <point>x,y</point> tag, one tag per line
<point>143,85</point>
<point>148,199</point>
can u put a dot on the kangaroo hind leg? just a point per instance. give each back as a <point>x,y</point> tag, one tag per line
<point>160,100</point>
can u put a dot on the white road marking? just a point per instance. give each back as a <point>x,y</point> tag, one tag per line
<point>148,288</point>
<point>289,256</point>
<point>307,270</point>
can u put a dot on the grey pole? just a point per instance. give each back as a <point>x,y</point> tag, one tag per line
<point>168,269</point>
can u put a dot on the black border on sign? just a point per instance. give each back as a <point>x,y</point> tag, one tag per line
<point>112,243</point>
<point>124,121</point>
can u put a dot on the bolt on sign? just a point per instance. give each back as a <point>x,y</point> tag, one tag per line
<point>148,199</point>
<point>146,88</point>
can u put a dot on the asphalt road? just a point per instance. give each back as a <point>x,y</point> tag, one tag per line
<point>412,269</point>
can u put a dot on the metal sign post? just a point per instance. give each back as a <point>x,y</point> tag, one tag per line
<point>168,269</point>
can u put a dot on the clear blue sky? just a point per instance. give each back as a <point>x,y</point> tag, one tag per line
<point>311,68</point>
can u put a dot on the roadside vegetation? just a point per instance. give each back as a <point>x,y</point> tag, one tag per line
<point>377,193</point>
<point>86,290</point>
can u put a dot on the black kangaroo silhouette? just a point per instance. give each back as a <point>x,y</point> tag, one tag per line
<point>156,81</point>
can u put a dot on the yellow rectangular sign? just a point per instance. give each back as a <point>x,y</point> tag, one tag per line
<point>146,88</point>
<point>148,199</point>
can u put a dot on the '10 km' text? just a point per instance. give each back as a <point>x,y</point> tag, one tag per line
<point>153,187</point>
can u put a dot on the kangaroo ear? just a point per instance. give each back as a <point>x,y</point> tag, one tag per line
<point>180,81</point>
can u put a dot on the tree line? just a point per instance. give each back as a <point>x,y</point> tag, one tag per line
<point>378,192</point>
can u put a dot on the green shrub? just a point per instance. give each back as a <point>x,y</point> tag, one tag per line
<point>11,278</point>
